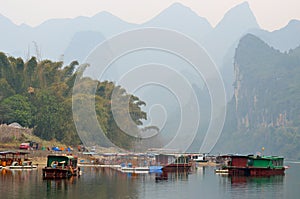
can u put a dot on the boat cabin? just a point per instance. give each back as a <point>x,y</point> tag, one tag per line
<point>13,158</point>
<point>165,159</point>
<point>238,161</point>
<point>265,161</point>
<point>61,166</point>
<point>61,161</point>
<point>173,162</point>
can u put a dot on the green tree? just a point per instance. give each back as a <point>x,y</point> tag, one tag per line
<point>39,95</point>
<point>16,108</point>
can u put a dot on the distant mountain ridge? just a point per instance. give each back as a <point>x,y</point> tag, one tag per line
<point>183,19</point>
<point>59,39</point>
<point>283,39</point>
<point>55,36</point>
<point>235,23</point>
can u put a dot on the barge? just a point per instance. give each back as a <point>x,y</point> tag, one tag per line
<point>61,166</point>
<point>254,165</point>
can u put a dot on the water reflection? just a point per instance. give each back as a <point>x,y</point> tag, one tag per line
<point>237,180</point>
<point>16,182</point>
<point>171,176</point>
<point>94,183</point>
<point>249,187</point>
<point>59,187</point>
<point>108,183</point>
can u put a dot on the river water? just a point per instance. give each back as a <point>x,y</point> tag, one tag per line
<point>107,183</point>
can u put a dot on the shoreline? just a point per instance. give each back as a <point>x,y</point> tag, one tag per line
<point>39,157</point>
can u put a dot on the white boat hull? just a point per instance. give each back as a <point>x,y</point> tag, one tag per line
<point>22,167</point>
<point>134,169</point>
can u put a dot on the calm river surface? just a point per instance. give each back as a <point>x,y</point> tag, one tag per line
<point>107,183</point>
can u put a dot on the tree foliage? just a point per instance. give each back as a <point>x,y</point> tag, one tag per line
<point>39,95</point>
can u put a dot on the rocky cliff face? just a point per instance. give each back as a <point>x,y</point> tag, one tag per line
<point>265,108</point>
<point>266,82</point>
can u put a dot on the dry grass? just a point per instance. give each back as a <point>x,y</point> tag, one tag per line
<point>11,138</point>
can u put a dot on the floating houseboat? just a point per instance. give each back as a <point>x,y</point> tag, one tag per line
<point>61,166</point>
<point>16,160</point>
<point>254,165</point>
<point>173,162</point>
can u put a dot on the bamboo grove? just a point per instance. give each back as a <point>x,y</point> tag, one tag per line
<point>38,95</point>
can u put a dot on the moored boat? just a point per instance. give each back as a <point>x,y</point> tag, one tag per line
<point>61,166</point>
<point>171,162</point>
<point>133,169</point>
<point>254,165</point>
<point>16,160</point>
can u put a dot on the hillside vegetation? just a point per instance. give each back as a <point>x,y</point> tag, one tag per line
<point>38,95</point>
<point>265,108</point>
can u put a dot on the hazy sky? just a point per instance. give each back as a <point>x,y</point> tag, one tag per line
<point>270,14</point>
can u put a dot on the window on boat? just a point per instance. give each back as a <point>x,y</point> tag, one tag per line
<point>250,162</point>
